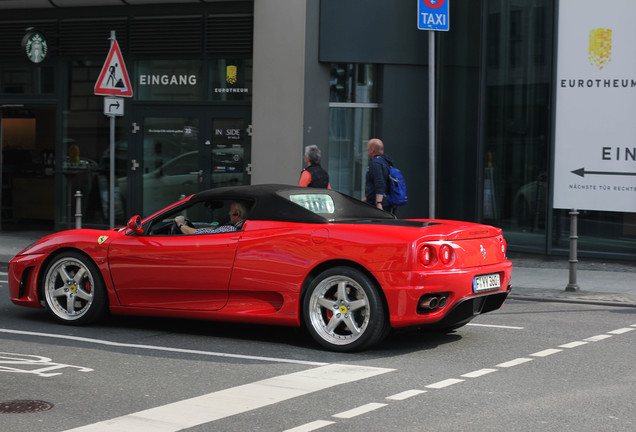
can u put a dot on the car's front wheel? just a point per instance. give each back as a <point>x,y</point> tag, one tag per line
<point>343,310</point>
<point>73,289</point>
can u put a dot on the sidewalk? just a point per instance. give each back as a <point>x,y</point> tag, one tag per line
<point>533,277</point>
<point>603,282</point>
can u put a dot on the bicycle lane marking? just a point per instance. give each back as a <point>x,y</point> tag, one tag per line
<point>33,364</point>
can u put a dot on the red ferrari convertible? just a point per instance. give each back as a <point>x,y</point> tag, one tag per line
<point>345,270</point>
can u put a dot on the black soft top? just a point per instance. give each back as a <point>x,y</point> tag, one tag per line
<point>273,202</point>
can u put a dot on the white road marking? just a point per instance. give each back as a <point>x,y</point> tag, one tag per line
<point>597,338</point>
<point>207,408</point>
<point>161,348</point>
<point>496,326</point>
<point>546,353</point>
<point>225,403</point>
<point>479,373</point>
<point>32,364</point>
<point>318,424</point>
<point>405,395</point>
<point>444,383</point>
<point>573,344</point>
<point>621,331</point>
<point>514,362</point>
<point>4,281</point>
<point>4,274</point>
<point>360,410</point>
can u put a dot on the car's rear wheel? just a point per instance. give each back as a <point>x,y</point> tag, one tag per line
<point>73,289</point>
<point>343,310</point>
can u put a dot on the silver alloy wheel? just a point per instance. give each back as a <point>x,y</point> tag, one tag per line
<point>69,288</point>
<point>339,310</point>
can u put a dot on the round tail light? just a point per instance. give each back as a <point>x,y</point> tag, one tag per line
<point>446,254</point>
<point>426,255</point>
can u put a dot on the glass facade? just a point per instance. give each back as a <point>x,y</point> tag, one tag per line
<point>517,138</point>
<point>192,107</point>
<point>18,79</point>
<point>352,111</point>
<point>517,107</point>
<point>86,157</point>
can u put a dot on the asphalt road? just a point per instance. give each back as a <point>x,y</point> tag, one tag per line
<point>529,366</point>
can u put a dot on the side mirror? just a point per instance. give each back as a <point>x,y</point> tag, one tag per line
<point>134,223</point>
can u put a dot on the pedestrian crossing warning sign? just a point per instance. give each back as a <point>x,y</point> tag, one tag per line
<point>113,79</point>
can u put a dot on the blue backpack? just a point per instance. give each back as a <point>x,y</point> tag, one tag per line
<point>396,195</point>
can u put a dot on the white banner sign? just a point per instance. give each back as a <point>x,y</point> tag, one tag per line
<point>595,136</point>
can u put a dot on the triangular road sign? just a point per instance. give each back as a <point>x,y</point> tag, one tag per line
<point>113,79</point>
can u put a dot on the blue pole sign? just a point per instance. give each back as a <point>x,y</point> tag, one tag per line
<point>433,15</point>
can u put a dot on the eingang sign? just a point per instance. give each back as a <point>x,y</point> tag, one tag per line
<point>595,134</point>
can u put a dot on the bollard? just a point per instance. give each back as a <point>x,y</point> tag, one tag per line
<point>78,210</point>
<point>572,285</point>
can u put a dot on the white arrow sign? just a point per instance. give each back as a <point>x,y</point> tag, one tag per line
<point>113,106</point>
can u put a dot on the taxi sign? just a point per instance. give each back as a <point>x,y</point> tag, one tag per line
<point>433,15</point>
<point>113,79</point>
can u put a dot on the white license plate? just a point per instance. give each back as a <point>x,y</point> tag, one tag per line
<point>486,282</point>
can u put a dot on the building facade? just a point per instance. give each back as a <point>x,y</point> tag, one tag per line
<point>230,92</point>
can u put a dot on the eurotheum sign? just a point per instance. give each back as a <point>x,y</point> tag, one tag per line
<point>595,133</point>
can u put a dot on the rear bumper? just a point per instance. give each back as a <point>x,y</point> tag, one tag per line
<point>404,290</point>
<point>465,310</point>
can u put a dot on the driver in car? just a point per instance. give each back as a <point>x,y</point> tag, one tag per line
<point>238,214</point>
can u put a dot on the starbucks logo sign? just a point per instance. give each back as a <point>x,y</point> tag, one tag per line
<point>35,46</point>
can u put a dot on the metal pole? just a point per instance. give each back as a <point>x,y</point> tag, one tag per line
<point>112,159</point>
<point>112,173</point>
<point>78,209</point>
<point>573,286</point>
<point>431,124</point>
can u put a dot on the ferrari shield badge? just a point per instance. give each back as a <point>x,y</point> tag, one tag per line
<point>102,239</point>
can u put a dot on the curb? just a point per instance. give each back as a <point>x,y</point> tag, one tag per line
<point>582,297</point>
<point>571,300</point>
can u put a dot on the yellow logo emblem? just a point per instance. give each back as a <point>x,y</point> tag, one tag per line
<point>102,239</point>
<point>230,74</point>
<point>600,47</point>
<point>343,309</point>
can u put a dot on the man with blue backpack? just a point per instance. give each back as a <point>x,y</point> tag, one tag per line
<point>385,188</point>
